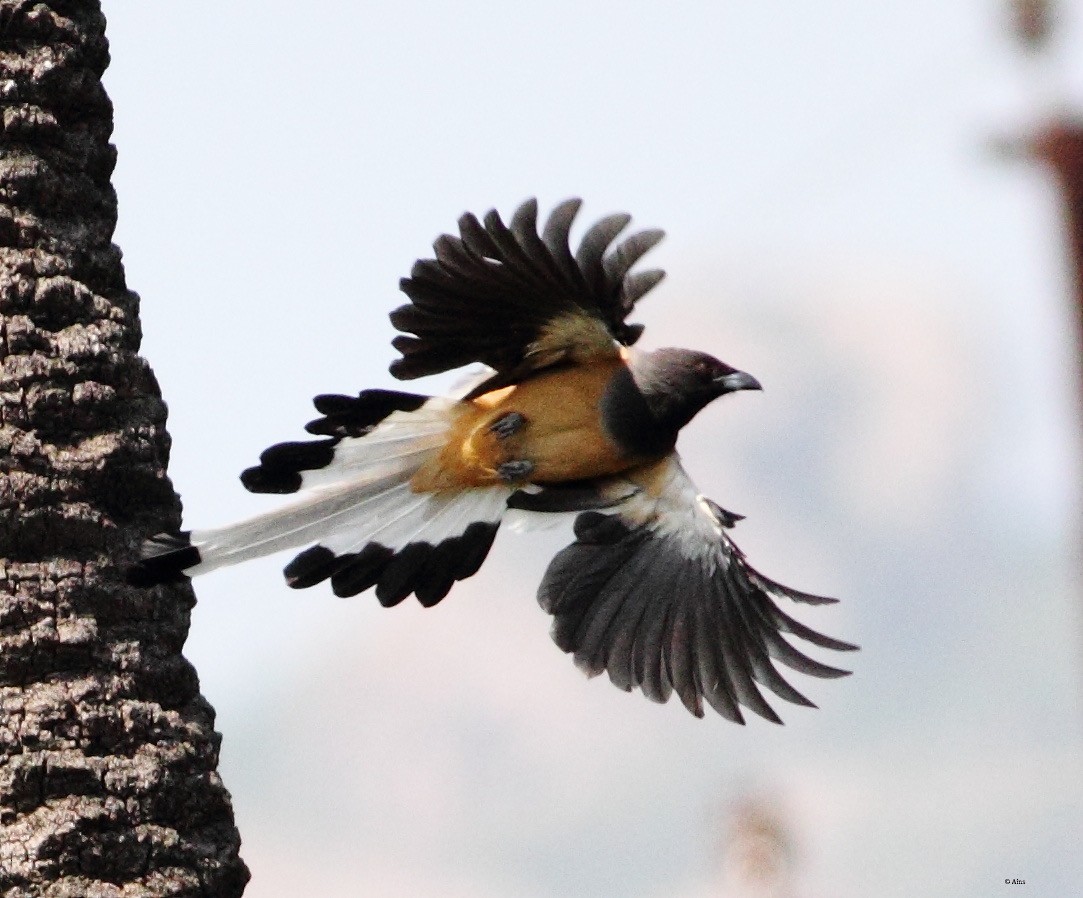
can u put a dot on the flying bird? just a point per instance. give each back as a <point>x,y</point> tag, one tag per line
<point>405,492</point>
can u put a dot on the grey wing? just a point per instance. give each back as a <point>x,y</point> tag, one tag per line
<point>659,597</point>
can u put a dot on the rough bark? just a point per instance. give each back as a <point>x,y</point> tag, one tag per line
<point>108,755</point>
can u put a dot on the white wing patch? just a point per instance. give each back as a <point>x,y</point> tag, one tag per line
<point>399,516</point>
<point>670,505</point>
<point>402,441</point>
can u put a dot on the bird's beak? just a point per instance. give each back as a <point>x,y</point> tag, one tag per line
<point>738,380</point>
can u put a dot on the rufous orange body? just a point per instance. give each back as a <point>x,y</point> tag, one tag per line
<point>562,435</point>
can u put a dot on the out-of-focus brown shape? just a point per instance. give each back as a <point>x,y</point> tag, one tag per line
<point>1060,146</point>
<point>759,850</point>
<point>1032,22</point>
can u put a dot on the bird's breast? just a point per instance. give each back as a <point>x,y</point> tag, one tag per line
<point>561,433</point>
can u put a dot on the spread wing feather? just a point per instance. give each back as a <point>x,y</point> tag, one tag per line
<point>518,301</point>
<point>657,595</point>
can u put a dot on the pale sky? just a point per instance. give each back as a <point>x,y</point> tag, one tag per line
<point>837,225</point>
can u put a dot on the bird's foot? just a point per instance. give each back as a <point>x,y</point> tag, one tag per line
<point>513,471</point>
<point>507,425</point>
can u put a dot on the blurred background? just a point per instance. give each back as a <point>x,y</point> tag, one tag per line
<point>853,218</point>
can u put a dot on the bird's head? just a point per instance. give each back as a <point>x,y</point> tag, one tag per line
<point>665,390</point>
<point>680,382</point>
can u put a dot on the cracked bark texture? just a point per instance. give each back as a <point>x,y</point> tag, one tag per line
<point>108,755</point>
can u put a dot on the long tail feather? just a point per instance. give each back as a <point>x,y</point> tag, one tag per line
<point>361,521</point>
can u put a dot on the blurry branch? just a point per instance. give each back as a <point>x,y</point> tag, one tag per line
<point>1060,147</point>
<point>1032,22</point>
<point>1058,141</point>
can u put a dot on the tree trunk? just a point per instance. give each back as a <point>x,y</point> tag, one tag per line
<point>108,783</point>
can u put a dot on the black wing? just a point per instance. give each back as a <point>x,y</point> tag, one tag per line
<point>517,300</point>
<point>658,596</point>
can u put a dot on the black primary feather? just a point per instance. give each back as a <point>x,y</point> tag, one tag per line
<point>354,416</point>
<point>281,466</point>
<point>491,292</point>
<point>359,571</point>
<point>163,559</point>
<point>314,565</point>
<point>422,568</point>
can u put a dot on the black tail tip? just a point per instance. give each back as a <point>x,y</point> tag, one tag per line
<point>163,559</point>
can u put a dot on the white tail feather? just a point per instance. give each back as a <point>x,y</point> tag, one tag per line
<point>416,517</point>
<point>362,496</point>
<point>402,441</point>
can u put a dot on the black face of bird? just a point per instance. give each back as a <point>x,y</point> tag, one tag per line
<point>661,391</point>
<point>716,378</point>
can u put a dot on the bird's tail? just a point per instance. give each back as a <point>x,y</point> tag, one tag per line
<point>363,524</point>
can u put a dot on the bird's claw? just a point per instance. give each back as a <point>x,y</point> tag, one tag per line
<point>507,425</point>
<point>512,471</point>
